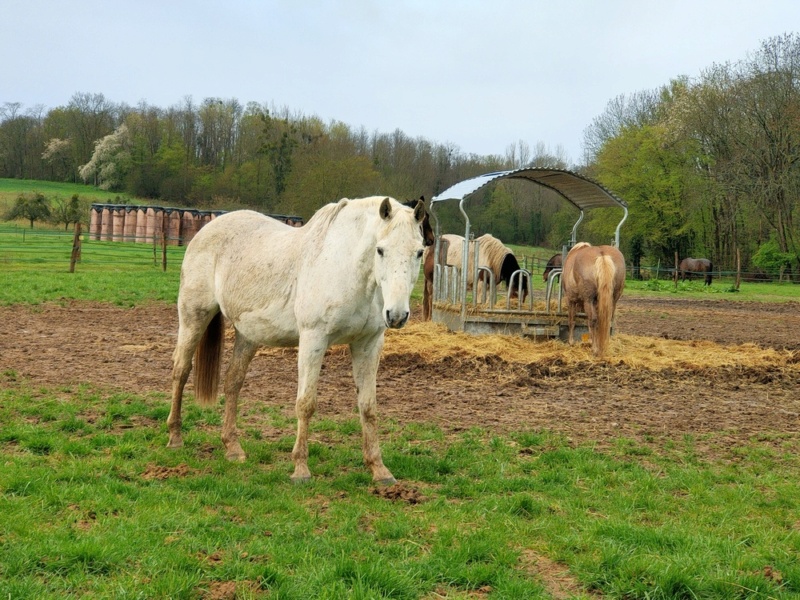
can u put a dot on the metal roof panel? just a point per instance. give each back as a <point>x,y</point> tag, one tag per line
<point>576,189</point>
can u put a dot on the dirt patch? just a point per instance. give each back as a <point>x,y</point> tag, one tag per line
<point>728,322</point>
<point>160,472</point>
<point>676,368</point>
<point>400,492</point>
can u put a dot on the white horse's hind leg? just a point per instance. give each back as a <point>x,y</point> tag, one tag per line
<point>189,335</point>
<point>366,356</point>
<point>243,352</point>
<point>310,354</point>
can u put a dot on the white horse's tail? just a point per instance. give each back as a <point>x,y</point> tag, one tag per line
<point>604,273</point>
<point>207,359</point>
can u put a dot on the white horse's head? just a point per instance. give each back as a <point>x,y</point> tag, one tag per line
<point>398,252</point>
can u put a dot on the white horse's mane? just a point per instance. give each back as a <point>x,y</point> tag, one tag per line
<point>318,225</point>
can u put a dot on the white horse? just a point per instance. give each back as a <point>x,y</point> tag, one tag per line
<point>343,278</point>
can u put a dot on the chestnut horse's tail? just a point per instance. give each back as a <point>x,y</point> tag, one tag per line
<point>604,273</point>
<point>207,360</point>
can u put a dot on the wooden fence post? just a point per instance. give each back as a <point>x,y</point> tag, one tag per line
<point>675,273</point>
<point>164,243</point>
<point>76,248</point>
<point>738,269</point>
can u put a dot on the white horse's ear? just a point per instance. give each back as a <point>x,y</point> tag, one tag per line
<point>419,211</point>
<point>386,209</point>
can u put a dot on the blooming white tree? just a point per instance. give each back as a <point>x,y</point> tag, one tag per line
<point>57,153</point>
<point>109,161</point>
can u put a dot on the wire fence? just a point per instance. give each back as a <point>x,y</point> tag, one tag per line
<point>658,272</point>
<point>25,248</point>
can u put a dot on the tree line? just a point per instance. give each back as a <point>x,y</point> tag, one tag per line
<point>708,166</point>
<point>222,154</point>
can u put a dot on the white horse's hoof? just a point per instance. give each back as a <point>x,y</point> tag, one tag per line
<point>301,479</point>
<point>387,481</point>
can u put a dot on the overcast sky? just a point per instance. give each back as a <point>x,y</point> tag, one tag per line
<point>477,74</point>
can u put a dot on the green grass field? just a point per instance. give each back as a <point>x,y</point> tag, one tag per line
<point>92,504</point>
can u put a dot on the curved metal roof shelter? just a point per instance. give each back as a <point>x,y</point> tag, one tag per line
<point>576,189</point>
<point>581,192</point>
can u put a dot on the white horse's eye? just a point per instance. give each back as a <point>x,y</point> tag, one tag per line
<point>419,253</point>
<point>380,251</point>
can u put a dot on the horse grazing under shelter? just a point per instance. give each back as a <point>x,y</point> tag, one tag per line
<point>554,263</point>
<point>343,278</point>
<point>689,267</point>
<point>592,281</point>
<point>492,254</point>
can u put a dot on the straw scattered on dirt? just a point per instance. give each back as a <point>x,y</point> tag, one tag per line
<point>729,370</point>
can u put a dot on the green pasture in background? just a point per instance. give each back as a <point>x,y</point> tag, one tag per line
<point>136,260</point>
<point>10,189</point>
<point>35,264</point>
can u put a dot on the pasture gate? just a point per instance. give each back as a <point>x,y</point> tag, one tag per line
<point>457,300</point>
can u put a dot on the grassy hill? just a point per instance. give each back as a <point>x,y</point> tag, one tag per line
<point>10,189</point>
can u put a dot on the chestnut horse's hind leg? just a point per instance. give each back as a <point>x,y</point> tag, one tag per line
<point>243,352</point>
<point>366,356</point>
<point>310,354</point>
<point>591,321</point>
<point>572,308</point>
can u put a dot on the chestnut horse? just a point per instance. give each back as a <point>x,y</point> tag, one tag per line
<point>592,282</point>
<point>342,278</point>
<point>689,267</point>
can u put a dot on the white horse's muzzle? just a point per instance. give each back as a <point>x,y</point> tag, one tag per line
<point>395,319</point>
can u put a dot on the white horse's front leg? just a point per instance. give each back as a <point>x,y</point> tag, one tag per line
<point>366,356</point>
<point>310,354</point>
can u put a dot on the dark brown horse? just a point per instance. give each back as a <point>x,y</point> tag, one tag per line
<point>427,271</point>
<point>592,281</point>
<point>429,239</point>
<point>427,230</point>
<point>690,267</point>
<point>553,263</point>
